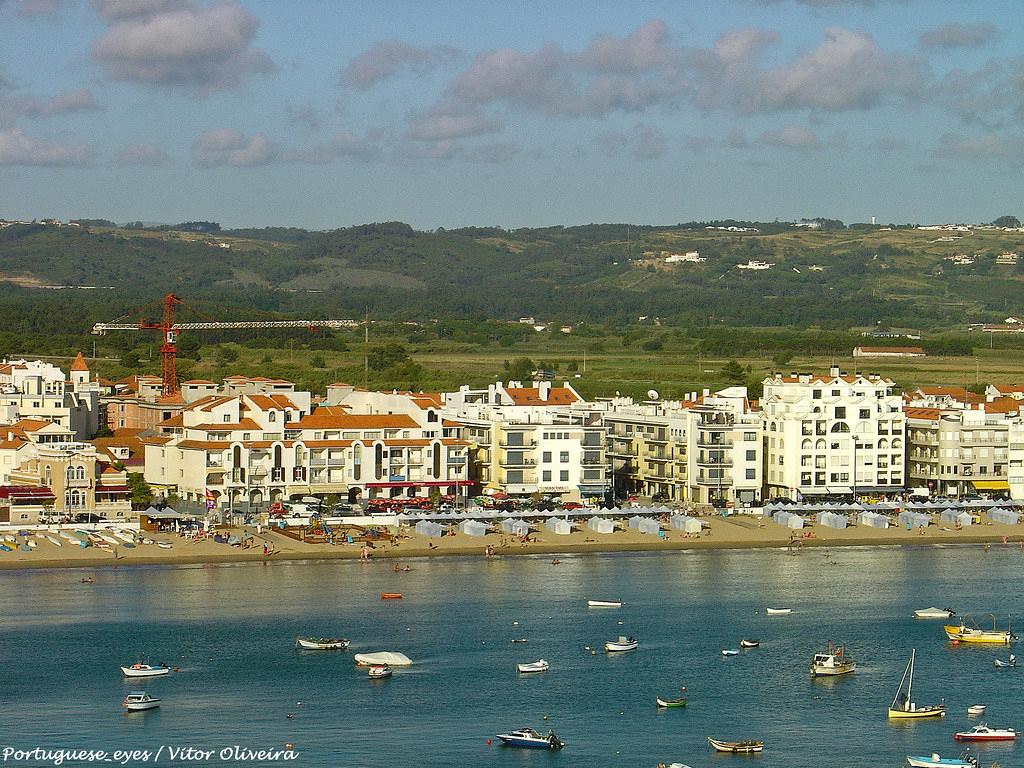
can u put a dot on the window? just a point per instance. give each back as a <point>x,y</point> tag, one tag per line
<point>227,418</point>
<point>835,393</point>
<point>840,411</point>
<point>272,416</point>
<point>751,474</point>
<point>564,475</point>
<point>865,413</point>
<point>750,436</point>
<point>816,394</point>
<point>546,457</point>
<point>563,457</point>
<point>546,476</point>
<point>751,455</point>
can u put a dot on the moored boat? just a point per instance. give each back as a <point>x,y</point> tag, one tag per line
<point>138,669</point>
<point>833,661</point>
<point>1011,662</point>
<point>534,666</point>
<point>976,709</point>
<point>730,652</point>
<point>749,643</point>
<point>903,706</point>
<point>622,644</point>
<point>390,595</point>
<point>139,701</point>
<point>984,733</point>
<point>737,747</point>
<point>974,634</point>
<point>378,671</point>
<point>778,611</point>
<point>964,761</point>
<point>530,739</point>
<point>390,658</point>
<point>933,613</point>
<point>321,643</point>
<point>53,540</point>
<point>604,603</point>
<point>670,703</point>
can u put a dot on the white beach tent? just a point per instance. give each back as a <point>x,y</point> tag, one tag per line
<point>473,528</point>
<point>429,528</point>
<point>557,525</point>
<point>601,525</point>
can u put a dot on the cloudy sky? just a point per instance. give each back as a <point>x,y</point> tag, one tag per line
<point>330,113</point>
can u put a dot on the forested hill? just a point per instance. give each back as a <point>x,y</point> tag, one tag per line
<point>834,277</point>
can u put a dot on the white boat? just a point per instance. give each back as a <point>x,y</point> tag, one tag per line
<point>534,666</point>
<point>964,761</point>
<point>53,540</point>
<point>976,709</point>
<point>984,733</point>
<point>933,613</point>
<point>124,537</point>
<point>530,739</point>
<point>678,765</point>
<point>778,611</point>
<point>604,603</point>
<point>382,658</point>
<point>622,644</point>
<point>730,652</point>
<point>164,544</point>
<point>737,747</point>
<point>1011,662</point>
<point>139,669</point>
<point>834,661</point>
<point>146,540</point>
<point>321,643</point>
<point>749,643</point>
<point>378,671</point>
<point>139,701</point>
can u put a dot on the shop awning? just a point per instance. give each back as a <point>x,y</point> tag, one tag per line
<point>990,485</point>
<point>839,490</point>
<point>414,484</point>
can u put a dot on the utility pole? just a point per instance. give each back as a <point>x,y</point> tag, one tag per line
<point>366,348</point>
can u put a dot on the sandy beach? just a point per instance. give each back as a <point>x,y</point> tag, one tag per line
<point>737,532</point>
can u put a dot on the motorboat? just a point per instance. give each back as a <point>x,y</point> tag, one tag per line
<point>964,761</point>
<point>934,613</point>
<point>737,747</point>
<point>730,652</point>
<point>974,634</point>
<point>834,661</point>
<point>321,643</point>
<point>976,709</point>
<point>778,611</point>
<point>530,739</point>
<point>378,671</point>
<point>903,705</point>
<point>984,733</point>
<point>1011,662</point>
<point>390,595</point>
<point>604,603</point>
<point>678,765</point>
<point>139,701</point>
<point>749,643</point>
<point>138,669</point>
<point>389,658</point>
<point>622,644</point>
<point>534,666</point>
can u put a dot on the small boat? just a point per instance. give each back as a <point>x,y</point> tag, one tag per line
<point>984,733</point>
<point>147,540</point>
<point>964,761</point>
<point>934,613</point>
<point>604,603</point>
<point>139,701</point>
<point>730,652</point>
<point>749,643</point>
<point>389,658</point>
<point>834,661</point>
<point>670,703</point>
<point>678,765</point>
<point>378,671</point>
<point>530,739</point>
<point>778,611</point>
<point>534,666</point>
<point>109,539</point>
<point>1011,662</point>
<point>964,634</point>
<point>390,595</point>
<point>53,540</point>
<point>622,644</point>
<point>164,544</point>
<point>321,643</point>
<point>976,709</point>
<point>737,747</point>
<point>520,640</point>
<point>903,705</point>
<point>67,536</point>
<point>139,669</point>
<point>5,548</point>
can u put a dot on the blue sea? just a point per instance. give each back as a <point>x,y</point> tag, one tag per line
<point>230,630</point>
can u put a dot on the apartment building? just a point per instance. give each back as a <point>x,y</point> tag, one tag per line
<point>37,390</point>
<point>725,449</point>
<point>832,435</point>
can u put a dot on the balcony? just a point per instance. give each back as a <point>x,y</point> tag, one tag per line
<point>713,461</point>
<point>526,444</point>
<point>506,462</point>
<point>660,437</point>
<point>724,480</point>
<point>713,442</point>
<point>658,457</point>
<point>717,421</point>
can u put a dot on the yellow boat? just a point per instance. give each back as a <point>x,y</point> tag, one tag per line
<point>961,633</point>
<point>903,706</point>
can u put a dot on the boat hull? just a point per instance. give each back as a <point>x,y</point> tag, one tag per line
<point>964,634</point>
<point>321,645</point>
<point>151,672</point>
<point>932,613</point>
<point>778,611</point>
<point>901,714</point>
<point>142,706</point>
<point>526,742</point>
<point>737,747</point>
<point>932,762</point>
<point>532,668</point>
<point>670,703</point>
<point>620,647</point>
<point>604,604</point>
<point>846,669</point>
<point>391,659</point>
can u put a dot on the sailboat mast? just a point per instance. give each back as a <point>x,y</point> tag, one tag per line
<point>903,679</point>
<point>910,684</point>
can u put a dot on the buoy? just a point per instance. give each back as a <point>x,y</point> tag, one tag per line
<point>545,717</point>
<point>593,653</point>
<point>290,715</point>
<point>515,623</point>
<point>487,742</point>
<point>298,703</point>
<point>289,745</point>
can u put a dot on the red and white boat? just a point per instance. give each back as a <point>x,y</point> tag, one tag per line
<point>984,733</point>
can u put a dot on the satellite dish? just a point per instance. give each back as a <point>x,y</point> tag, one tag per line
<point>652,394</point>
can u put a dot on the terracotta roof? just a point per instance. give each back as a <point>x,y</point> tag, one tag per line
<point>957,392</point>
<point>1003,405</point>
<point>931,414</point>
<point>111,471</point>
<point>175,399</point>
<point>79,364</point>
<point>28,425</point>
<point>822,379</point>
<point>13,445</point>
<point>203,444</point>
<point>327,443</point>
<point>198,381</point>
<point>271,402</point>
<point>1008,387</point>
<point>155,440</point>
<point>332,417</point>
<point>228,426</point>
<point>174,421</point>
<point>450,423</point>
<point>531,396</point>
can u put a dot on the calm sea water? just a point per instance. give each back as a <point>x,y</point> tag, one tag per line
<point>230,629</point>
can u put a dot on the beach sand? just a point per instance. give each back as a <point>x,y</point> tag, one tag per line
<point>737,532</point>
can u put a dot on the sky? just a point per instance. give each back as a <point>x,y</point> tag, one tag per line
<point>518,113</point>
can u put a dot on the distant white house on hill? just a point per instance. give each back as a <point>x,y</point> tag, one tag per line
<point>752,264</point>
<point>888,352</point>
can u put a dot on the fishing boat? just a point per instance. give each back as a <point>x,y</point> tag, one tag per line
<point>530,739</point>
<point>534,666</point>
<point>749,643</point>
<point>378,671</point>
<point>903,706</point>
<point>390,658</point>
<point>1011,662</point>
<point>670,703</point>
<point>974,634</point>
<point>321,643</point>
<point>622,644</point>
<point>139,701</point>
<point>390,595</point>
<point>834,661</point>
<point>976,709</point>
<point>778,611</point>
<point>934,613</point>
<point>984,733</point>
<point>138,669</point>
<point>964,761</point>
<point>730,652</point>
<point>604,603</point>
<point>737,747</point>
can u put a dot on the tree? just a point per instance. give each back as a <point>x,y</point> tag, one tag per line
<point>142,494</point>
<point>130,359</point>
<point>521,368</point>
<point>1007,221</point>
<point>732,372</point>
<point>226,354</point>
<point>317,361</point>
<point>392,353</point>
<point>782,358</point>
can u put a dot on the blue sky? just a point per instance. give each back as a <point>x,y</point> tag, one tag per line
<point>326,114</point>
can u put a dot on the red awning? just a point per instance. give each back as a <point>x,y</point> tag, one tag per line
<point>112,489</point>
<point>410,484</point>
<point>25,493</point>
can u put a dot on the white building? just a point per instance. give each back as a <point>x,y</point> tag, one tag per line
<point>32,389</point>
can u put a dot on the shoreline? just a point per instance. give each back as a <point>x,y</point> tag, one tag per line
<point>723,534</point>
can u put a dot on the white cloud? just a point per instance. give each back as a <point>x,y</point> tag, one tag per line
<point>227,147</point>
<point>442,123</point>
<point>386,58</point>
<point>18,148</point>
<point>80,100</point>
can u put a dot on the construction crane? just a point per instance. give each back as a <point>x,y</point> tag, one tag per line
<point>169,331</point>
